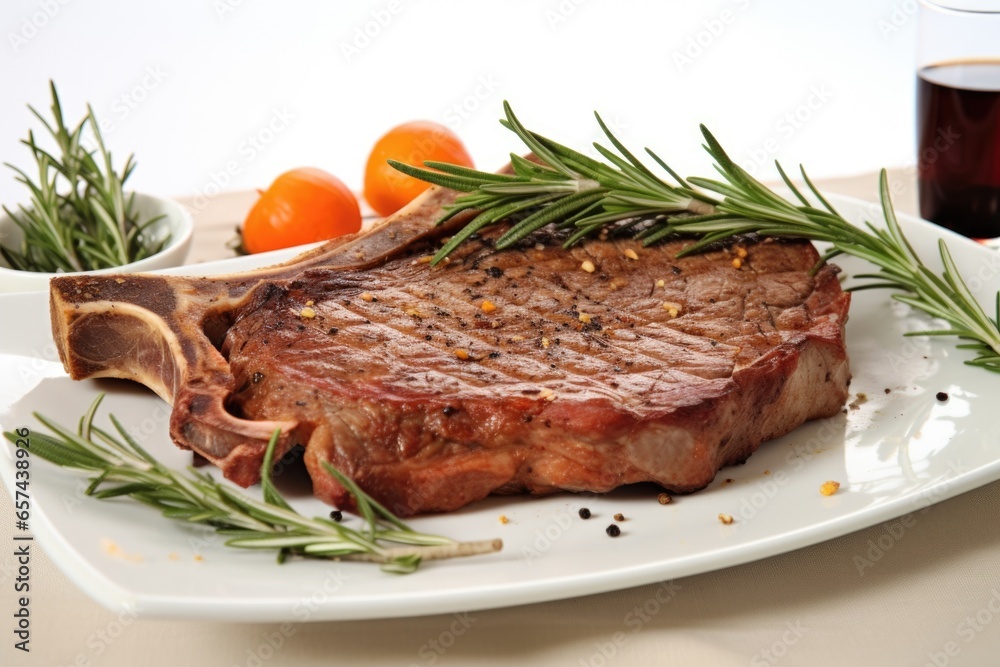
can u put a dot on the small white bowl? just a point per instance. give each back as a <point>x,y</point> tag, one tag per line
<point>176,221</point>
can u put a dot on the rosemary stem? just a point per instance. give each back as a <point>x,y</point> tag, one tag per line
<point>707,210</point>
<point>436,552</point>
<point>121,467</point>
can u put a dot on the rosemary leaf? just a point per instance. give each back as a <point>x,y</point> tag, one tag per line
<point>620,193</point>
<point>79,217</point>
<point>123,469</point>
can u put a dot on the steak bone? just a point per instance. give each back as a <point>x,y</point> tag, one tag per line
<point>165,332</point>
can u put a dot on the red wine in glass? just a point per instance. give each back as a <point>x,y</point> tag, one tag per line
<point>958,132</point>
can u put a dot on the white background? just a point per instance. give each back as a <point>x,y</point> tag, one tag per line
<point>187,85</point>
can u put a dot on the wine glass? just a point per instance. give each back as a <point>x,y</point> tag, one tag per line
<point>958,116</point>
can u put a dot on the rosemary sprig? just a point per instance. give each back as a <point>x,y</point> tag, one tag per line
<point>622,196</point>
<point>79,218</point>
<point>122,467</point>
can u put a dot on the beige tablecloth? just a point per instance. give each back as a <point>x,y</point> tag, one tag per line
<point>932,598</point>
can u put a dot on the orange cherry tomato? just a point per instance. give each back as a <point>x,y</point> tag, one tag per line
<point>388,190</point>
<point>302,206</point>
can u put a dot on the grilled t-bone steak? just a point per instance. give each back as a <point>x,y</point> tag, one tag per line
<point>535,369</point>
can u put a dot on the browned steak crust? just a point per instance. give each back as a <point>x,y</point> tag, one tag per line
<point>401,376</point>
<point>578,381</point>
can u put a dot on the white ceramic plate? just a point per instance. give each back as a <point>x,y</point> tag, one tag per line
<point>895,451</point>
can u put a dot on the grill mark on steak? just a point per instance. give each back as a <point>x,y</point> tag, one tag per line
<point>377,387</point>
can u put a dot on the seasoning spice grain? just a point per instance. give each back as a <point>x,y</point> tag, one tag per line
<point>829,488</point>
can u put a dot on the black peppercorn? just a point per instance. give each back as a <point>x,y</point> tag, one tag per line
<point>337,515</point>
<point>613,530</point>
<point>584,513</point>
